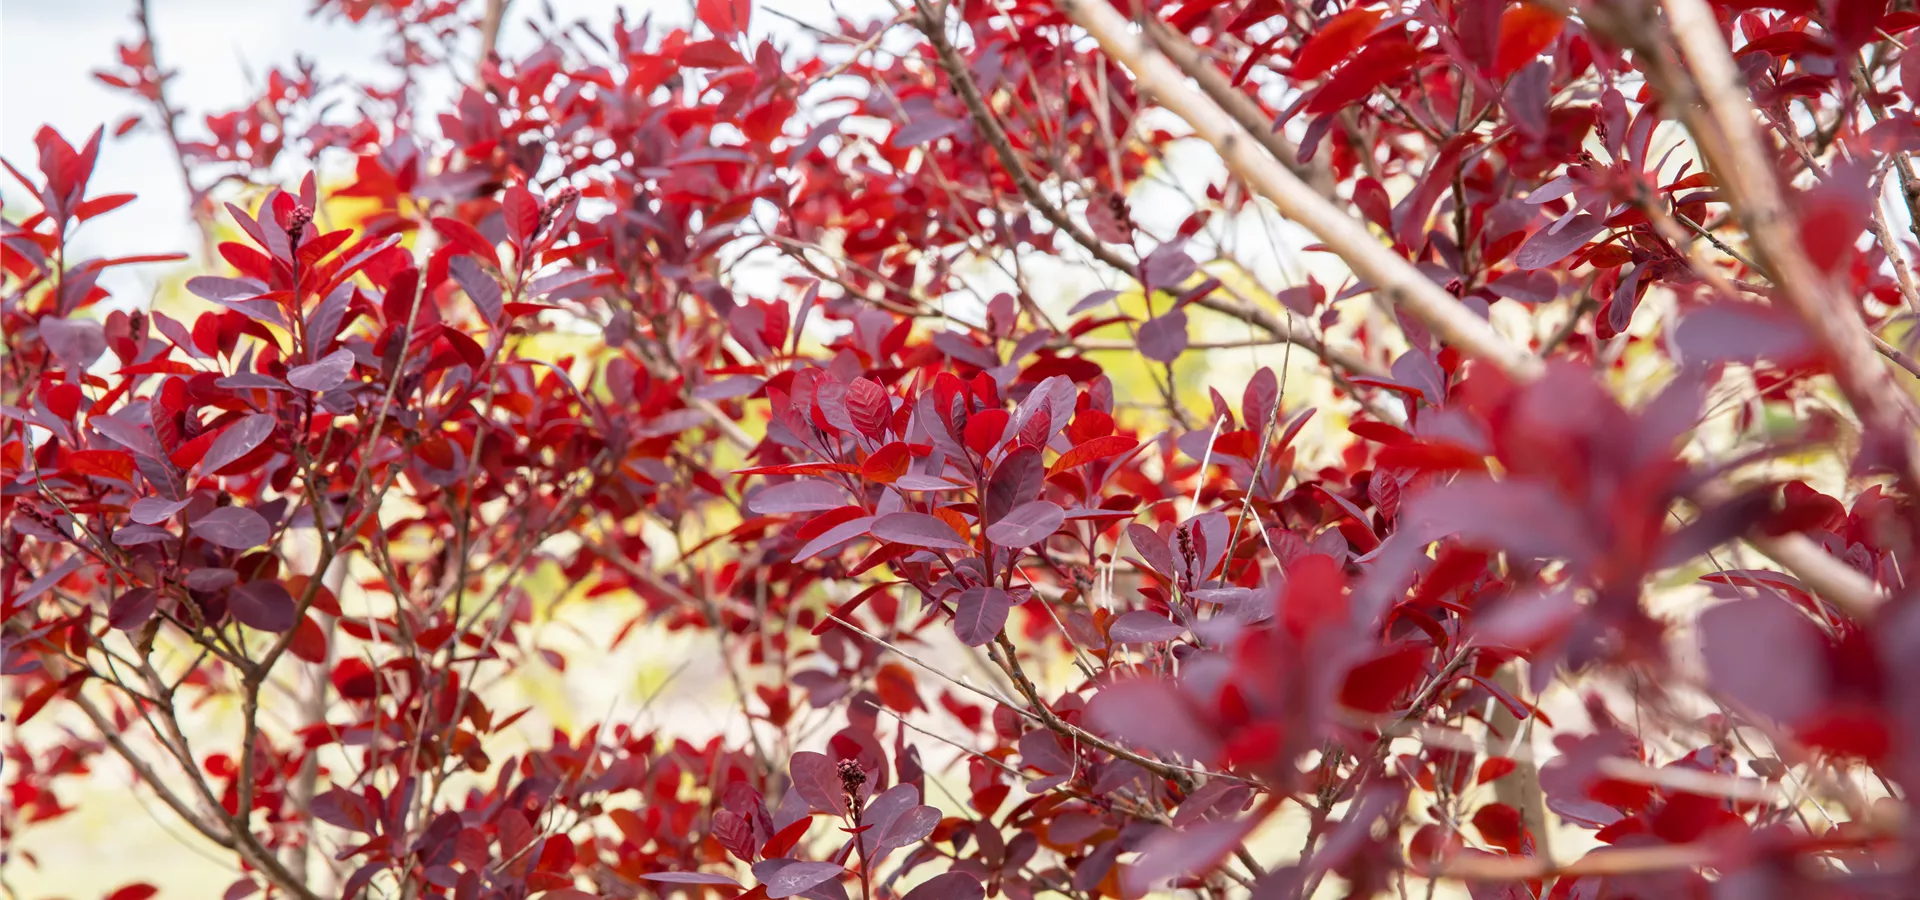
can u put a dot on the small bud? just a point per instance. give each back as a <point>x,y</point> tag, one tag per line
<point>297,222</point>
<point>852,776</point>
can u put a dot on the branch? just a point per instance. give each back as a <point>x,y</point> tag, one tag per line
<point>1245,155</point>
<point>956,69</point>
<point>1722,127</point>
<point>1244,110</point>
<point>1405,285</point>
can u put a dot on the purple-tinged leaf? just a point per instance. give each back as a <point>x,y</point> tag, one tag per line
<point>818,781</point>
<point>1167,266</point>
<point>1767,655</point>
<point>264,605</point>
<point>480,287</point>
<point>1153,551</point>
<point>1531,288</point>
<point>324,375</point>
<point>154,510</point>
<point>979,613</point>
<point>797,877</point>
<point>912,827</point>
<point>1180,852</point>
<point>1258,398</point>
<point>834,537</point>
<point>1523,517</point>
<point>77,343</point>
<point>1151,713</point>
<point>1092,301</point>
<point>1742,332</point>
<point>1015,480</point>
<point>233,527</point>
<point>238,440</point>
<point>1546,246</point>
<point>1027,524</point>
<point>949,886</point>
<point>132,609</point>
<point>1143,627</point>
<point>926,127</point>
<point>805,495</point>
<point>136,535</point>
<point>917,530</point>
<point>1164,338</point>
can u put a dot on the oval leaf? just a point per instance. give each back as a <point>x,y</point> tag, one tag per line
<point>324,375</point>
<point>1027,524</point>
<point>979,614</point>
<point>1142,627</point>
<point>917,530</point>
<point>233,527</point>
<point>264,605</point>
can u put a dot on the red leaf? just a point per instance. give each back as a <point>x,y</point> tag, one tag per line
<point>887,464</point>
<point>1381,62</point>
<point>1525,30</point>
<point>1092,451</point>
<point>114,464</point>
<point>725,18</point>
<point>466,239</point>
<point>869,407</point>
<point>1333,42</point>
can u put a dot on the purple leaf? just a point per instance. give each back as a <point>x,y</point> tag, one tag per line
<point>912,827</point>
<point>949,886</point>
<point>76,342</point>
<point>214,288</point>
<point>798,877</point>
<point>1258,398</point>
<point>324,375</point>
<point>979,613</point>
<point>834,537</point>
<point>1179,852</point>
<point>1766,655</point>
<point>1167,266</point>
<point>1090,301</point>
<point>883,811</point>
<point>238,440</point>
<point>264,605</point>
<point>132,609</point>
<point>480,287</point>
<point>1143,627</point>
<point>135,535</point>
<point>233,527</point>
<point>1164,338</point>
<point>927,127</point>
<point>1153,551</point>
<point>1041,749</point>
<point>1546,247</point>
<point>917,530</point>
<point>1742,332</point>
<point>1531,288</point>
<point>1015,480</point>
<point>806,495</point>
<point>818,782</point>
<point>1152,713</point>
<point>1524,517</point>
<point>1028,524</point>
<point>1525,620</point>
<point>154,510</point>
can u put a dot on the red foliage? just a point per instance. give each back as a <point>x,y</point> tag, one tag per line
<point>349,462</point>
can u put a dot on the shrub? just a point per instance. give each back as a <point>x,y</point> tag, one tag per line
<point>1570,316</point>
